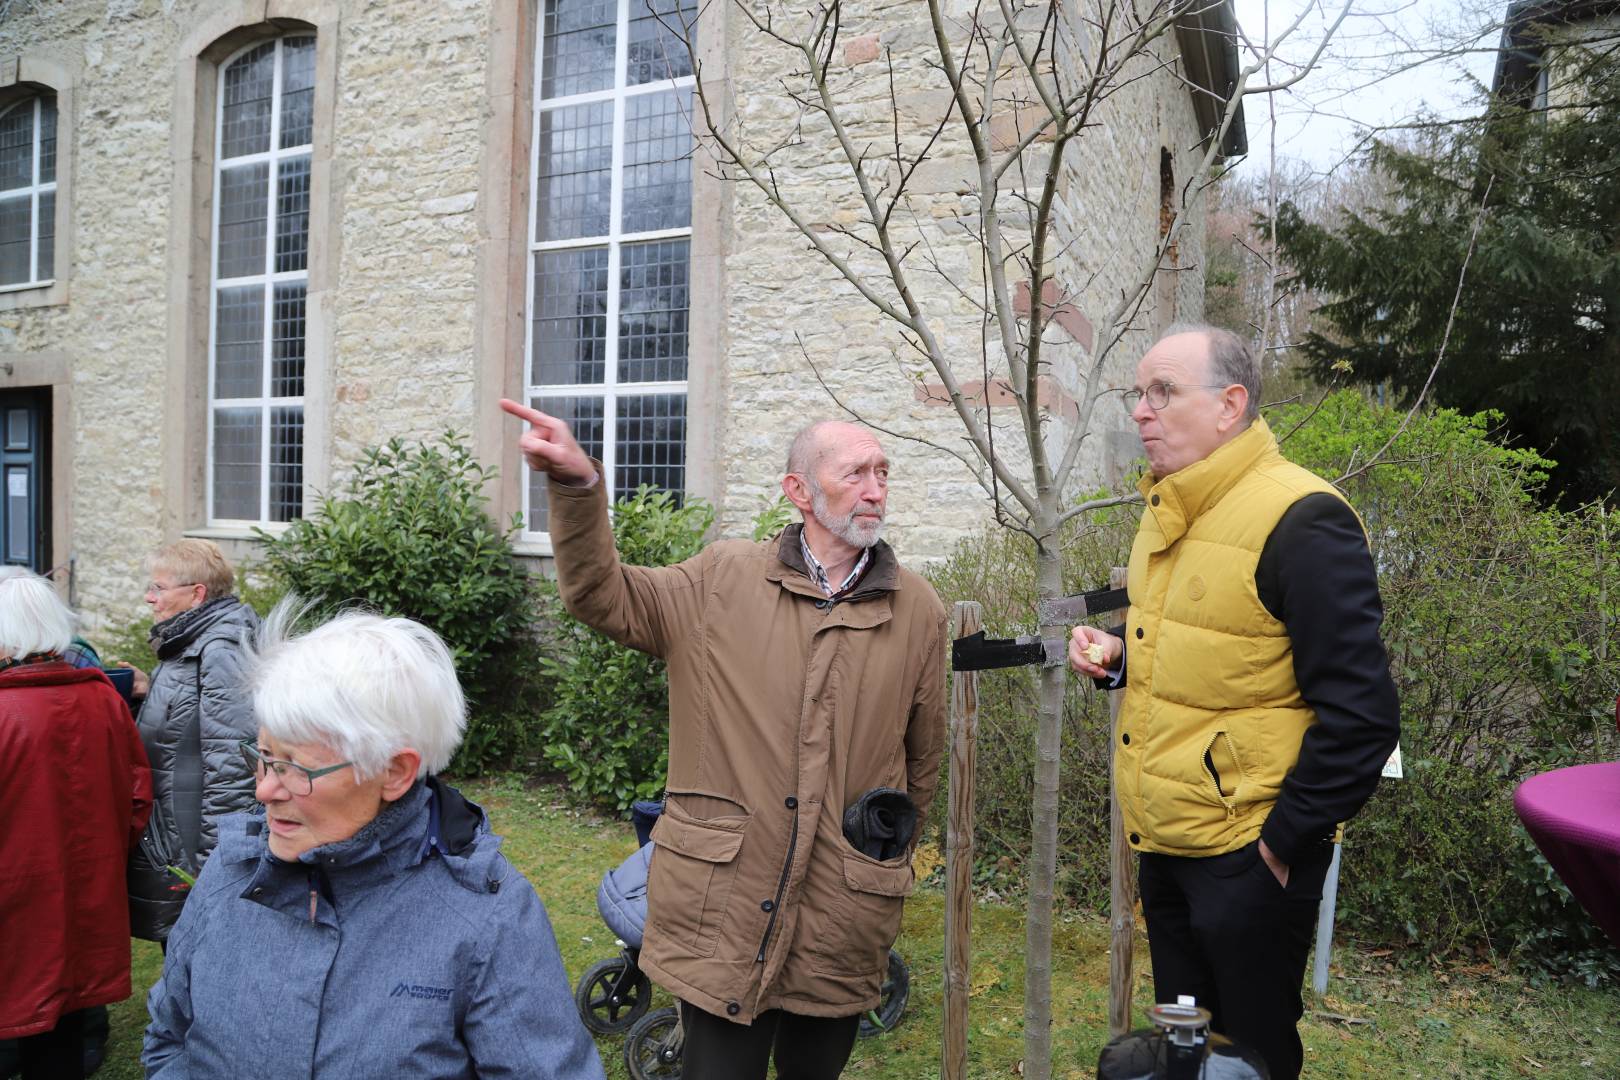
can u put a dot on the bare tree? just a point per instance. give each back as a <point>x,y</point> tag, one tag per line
<point>1027,87</point>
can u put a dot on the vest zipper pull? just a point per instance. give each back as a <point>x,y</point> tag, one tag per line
<point>313,898</point>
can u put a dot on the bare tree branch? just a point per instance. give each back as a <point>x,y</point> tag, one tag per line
<point>1133,499</point>
<point>1309,65</point>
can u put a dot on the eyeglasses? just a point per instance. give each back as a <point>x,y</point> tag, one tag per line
<point>1158,393</point>
<point>154,587</point>
<point>292,776</point>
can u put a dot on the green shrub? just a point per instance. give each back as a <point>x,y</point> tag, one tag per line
<point>1499,618</point>
<point>607,728</point>
<point>774,515</point>
<point>410,535</point>
<point>129,642</point>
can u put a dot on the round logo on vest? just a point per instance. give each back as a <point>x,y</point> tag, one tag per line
<point>1196,587</point>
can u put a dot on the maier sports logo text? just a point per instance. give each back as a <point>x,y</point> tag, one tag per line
<point>421,993</point>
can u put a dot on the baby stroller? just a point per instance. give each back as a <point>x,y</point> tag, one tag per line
<point>614,995</point>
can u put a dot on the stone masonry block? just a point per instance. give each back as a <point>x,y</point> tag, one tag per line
<point>862,50</point>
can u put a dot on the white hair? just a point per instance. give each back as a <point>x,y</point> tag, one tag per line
<point>363,685</point>
<point>33,619</point>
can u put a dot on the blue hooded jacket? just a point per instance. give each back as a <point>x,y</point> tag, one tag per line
<point>412,949</point>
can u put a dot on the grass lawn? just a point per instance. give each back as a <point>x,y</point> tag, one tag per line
<point>1465,1022</point>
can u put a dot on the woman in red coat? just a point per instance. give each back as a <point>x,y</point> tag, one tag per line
<point>74,800</point>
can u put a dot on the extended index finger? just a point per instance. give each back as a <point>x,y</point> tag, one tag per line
<point>524,412</point>
<point>549,426</point>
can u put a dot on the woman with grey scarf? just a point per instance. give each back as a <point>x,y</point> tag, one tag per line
<point>194,713</point>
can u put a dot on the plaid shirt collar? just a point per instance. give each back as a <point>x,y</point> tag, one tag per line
<point>818,573</point>
<point>80,655</point>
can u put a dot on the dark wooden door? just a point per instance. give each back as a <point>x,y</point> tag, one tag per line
<point>25,503</point>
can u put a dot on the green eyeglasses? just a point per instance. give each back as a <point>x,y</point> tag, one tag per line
<point>292,776</point>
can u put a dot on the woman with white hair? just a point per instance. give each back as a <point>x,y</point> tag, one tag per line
<point>365,923</point>
<point>74,795</point>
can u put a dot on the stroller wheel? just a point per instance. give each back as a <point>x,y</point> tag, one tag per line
<point>652,1050</point>
<point>612,996</point>
<point>891,1001</point>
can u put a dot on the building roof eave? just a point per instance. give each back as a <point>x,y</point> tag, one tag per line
<point>1518,55</point>
<point>1206,30</point>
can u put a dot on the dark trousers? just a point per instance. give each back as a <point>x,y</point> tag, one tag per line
<point>806,1047</point>
<point>57,1054</point>
<point>1222,930</point>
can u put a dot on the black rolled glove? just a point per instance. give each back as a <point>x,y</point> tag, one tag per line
<point>880,823</point>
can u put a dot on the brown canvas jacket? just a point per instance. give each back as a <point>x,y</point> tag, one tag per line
<point>784,708</point>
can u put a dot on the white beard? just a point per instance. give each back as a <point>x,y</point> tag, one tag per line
<point>846,528</point>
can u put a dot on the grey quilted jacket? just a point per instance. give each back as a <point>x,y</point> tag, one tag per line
<point>195,713</point>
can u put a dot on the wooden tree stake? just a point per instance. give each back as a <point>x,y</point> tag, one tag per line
<point>1121,880</point>
<point>966,618</point>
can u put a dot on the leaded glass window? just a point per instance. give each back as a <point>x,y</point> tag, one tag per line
<point>610,236</point>
<point>28,192</point>
<point>264,145</point>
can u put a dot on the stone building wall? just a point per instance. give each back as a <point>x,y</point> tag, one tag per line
<point>401,313</point>
<point>416,280</point>
<point>407,149</point>
<point>112,333</point>
<point>788,310</point>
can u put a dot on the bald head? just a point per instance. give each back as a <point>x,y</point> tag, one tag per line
<point>815,440</point>
<point>1230,360</point>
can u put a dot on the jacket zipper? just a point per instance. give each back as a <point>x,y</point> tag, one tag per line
<point>781,887</point>
<point>1215,775</point>
<point>793,835</point>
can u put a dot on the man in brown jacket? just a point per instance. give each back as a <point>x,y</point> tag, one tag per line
<point>803,672</point>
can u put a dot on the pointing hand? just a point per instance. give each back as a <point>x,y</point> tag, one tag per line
<point>549,447</point>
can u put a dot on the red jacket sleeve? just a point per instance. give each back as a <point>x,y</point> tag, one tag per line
<point>141,782</point>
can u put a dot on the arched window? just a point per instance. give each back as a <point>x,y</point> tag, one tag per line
<point>610,236</point>
<point>264,135</point>
<point>28,192</point>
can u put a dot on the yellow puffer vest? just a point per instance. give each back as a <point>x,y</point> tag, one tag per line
<point>1210,671</point>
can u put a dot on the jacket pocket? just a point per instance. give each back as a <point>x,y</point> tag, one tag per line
<point>689,880</point>
<point>866,919</point>
<point>1224,770</point>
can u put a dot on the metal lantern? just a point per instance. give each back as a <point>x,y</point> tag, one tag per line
<point>1179,1046</point>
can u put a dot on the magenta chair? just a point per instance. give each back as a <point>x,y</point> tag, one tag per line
<point>1573,815</point>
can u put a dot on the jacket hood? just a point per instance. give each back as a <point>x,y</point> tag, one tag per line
<point>431,820</point>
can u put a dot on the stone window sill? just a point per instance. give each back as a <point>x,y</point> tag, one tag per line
<point>34,295</point>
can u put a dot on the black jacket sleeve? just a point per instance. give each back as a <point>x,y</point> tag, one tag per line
<point>1316,576</point>
<point>1116,682</point>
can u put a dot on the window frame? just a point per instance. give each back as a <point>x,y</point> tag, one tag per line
<point>21,77</point>
<point>610,391</point>
<point>35,190</point>
<point>268,279</point>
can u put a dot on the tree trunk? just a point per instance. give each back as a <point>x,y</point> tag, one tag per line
<point>1043,862</point>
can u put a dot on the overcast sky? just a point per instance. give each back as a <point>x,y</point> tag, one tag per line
<point>1359,81</point>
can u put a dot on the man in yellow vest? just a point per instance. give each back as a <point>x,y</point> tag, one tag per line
<point>1259,708</point>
